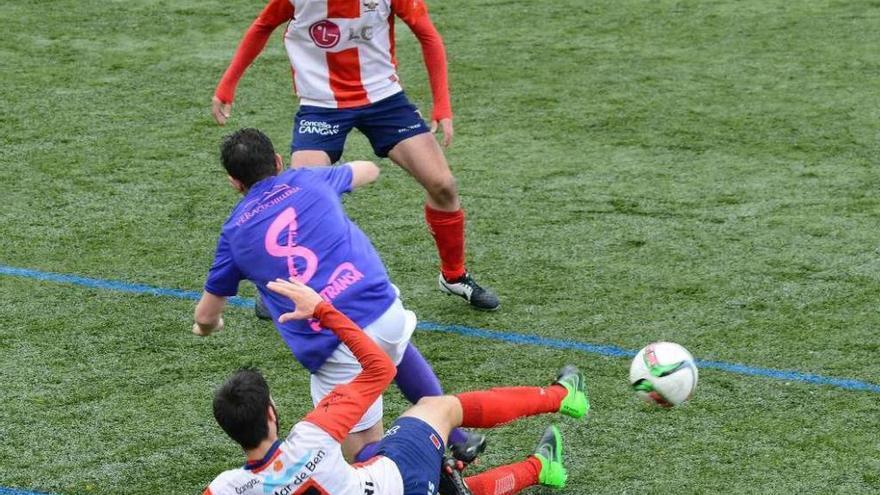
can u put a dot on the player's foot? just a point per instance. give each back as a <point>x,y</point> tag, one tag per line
<point>576,403</point>
<point>260,309</point>
<point>468,450</point>
<point>549,452</point>
<point>468,289</point>
<point>451,479</point>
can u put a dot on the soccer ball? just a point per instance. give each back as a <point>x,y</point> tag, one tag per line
<point>663,373</point>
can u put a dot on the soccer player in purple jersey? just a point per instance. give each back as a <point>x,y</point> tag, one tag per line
<point>291,223</point>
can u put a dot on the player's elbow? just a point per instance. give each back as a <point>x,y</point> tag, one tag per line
<point>364,172</point>
<point>385,369</point>
<point>389,371</point>
<point>431,40</point>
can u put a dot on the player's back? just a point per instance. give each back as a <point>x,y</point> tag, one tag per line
<point>294,225</point>
<point>308,462</point>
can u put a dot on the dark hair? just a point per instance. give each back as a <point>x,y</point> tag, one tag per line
<point>248,156</point>
<point>241,405</point>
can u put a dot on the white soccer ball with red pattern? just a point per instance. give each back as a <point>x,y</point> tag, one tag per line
<point>663,373</point>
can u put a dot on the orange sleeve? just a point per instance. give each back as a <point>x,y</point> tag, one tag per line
<point>343,407</point>
<point>415,14</point>
<point>276,13</point>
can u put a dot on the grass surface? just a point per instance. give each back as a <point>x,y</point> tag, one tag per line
<point>698,171</point>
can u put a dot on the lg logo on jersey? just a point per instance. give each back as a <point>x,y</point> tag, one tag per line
<point>325,34</point>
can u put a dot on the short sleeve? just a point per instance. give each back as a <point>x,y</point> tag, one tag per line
<point>338,177</point>
<point>224,276</point>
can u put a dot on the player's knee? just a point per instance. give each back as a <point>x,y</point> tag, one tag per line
<point>430,401</point>
<point>443,190</point>
<point>444,405</point>
<point>443,412</point>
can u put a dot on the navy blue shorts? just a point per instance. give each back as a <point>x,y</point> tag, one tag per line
<point>418,452</point>
<point>385,123</point>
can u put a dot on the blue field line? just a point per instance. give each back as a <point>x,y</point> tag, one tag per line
<point>13,491</point>
<point>115,285</point>
<point>514,338</point>
<point>614,351</point>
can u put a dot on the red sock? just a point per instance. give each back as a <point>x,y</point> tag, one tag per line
<point>506,480</point>
<point>488,408</point>
<point>447,227</point>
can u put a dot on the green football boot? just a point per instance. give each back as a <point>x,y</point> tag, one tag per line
<point>549,452</point>
<point>576,403</point>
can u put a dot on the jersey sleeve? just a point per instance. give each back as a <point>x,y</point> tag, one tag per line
<point>343,407</point>
<point>415,14</point>
<point>338,177</point>
<point>276,13</point>
<point>409,11</point>
<point>224,275</point>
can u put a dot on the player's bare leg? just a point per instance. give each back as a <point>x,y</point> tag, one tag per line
<point>422,158</point>
<point>442,413</point>
<point>489,408</point>
<point>309,158</point>
<point>354,442</point>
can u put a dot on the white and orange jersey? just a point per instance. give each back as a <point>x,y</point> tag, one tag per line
<point>342,51</point>
<point>309,462</point>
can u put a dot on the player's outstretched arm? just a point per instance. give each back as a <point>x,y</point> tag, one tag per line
<point>415,14</point>
<point>343,407</point>
<point>208,315</point>
<point>277,12</point>
<point>363,172</point>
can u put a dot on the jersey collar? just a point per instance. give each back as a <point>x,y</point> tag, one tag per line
<point>262,463</point>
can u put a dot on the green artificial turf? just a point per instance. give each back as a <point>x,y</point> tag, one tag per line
<point>704,172</point>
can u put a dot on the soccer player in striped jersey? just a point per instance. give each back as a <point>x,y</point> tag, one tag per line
<point>410,456</point>
<point>344,72</point>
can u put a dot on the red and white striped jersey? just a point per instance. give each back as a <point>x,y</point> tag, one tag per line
<point>342,51</point>
<point>309,462</point>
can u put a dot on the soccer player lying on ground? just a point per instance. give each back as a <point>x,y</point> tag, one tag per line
<point>310,462</point>
<point>292,224</point>
<point>345,74</point>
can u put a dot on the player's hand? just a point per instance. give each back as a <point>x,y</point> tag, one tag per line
<point>220,110</point>
<point>205,330</point>
<point>444,125</point>
<point>302,296</point>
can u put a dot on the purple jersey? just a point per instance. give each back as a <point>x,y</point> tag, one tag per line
<point>293,225</point>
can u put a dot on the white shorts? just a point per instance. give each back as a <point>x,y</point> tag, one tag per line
<point>392,332</point>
